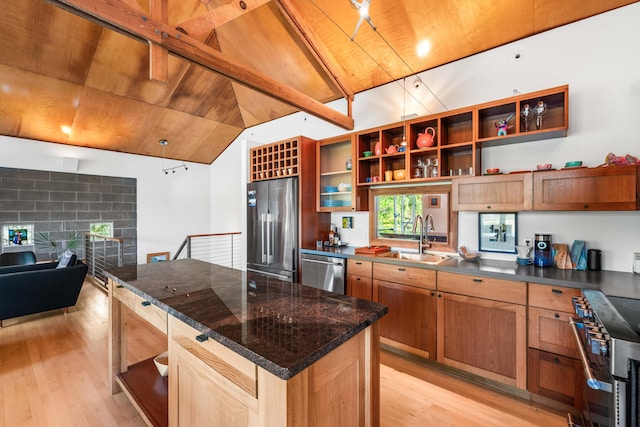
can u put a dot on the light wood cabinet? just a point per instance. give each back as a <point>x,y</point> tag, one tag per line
<point>411,320</point>
<point>336,164</point>
<point>587,189</point>
<point>497,193</point>
<point>208,381</point>
<point>484,337</point>
<point>554,368</point>
<point>359,279</point>
<point>409,292</point>
<point>483,287</point>
<point>557,377</point>
<point>482,326</point>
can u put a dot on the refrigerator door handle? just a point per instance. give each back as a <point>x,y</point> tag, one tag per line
<point>269,254</point>
<point>262,247</point>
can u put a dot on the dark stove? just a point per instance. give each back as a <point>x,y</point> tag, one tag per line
<point>609,339</point>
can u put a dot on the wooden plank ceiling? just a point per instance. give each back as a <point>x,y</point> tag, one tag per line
<point>60,69</point>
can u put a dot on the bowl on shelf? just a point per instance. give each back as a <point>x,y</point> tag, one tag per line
<point>543,166</point>
<point>573,164</point>
<point>344,187</point>
<point>493,170</point>
<point>468,256</point>
<point>330,189</point>
<point>399,174</point>
<point>162,363</point>
<point>367,153</point>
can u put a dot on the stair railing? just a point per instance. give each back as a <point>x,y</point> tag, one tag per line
<point>220,248</point>
<point>102,253</point>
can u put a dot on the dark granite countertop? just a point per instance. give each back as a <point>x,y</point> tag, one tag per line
<point>283,327</point>
<point>612,283</point>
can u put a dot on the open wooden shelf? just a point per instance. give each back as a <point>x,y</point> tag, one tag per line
<point>459,136</point>
<point>148,389</point>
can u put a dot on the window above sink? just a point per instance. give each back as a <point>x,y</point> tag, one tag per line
<point>394,209</point>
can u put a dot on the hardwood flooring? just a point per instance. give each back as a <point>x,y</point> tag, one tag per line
<point>53,372</point>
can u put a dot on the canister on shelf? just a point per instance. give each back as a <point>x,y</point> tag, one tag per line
<point>594,259</point>
<point>542,256</point>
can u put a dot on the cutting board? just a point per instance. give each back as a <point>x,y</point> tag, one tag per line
<point>372,250</point>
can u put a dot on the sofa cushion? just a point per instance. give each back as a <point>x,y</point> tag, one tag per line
<point>67,259</point>
<point>28,267</point>
<point>17,258</point>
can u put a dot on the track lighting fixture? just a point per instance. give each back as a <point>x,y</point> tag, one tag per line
<point>166,171</point>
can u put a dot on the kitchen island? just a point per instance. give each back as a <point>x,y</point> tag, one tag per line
<point>245,349</point>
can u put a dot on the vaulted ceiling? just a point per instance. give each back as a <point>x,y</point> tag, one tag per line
<point>123,74</point>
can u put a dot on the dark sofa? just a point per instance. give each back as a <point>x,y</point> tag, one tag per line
<point>35,288</point>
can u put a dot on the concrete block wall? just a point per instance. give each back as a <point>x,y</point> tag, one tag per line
<point>58,202</point>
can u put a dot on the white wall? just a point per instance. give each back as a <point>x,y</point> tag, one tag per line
<point>599,60</point>
<point>169,206</point>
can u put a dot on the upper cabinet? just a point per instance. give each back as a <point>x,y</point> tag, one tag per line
<point>275,160</point>
<point>497,193</point>
<point>528,117</point>
<point>609,188</point>
<point>449,144</point>
<point>337,190</point>
<point>588,189</point>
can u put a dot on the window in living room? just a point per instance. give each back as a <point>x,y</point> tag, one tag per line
<point>104,229</point>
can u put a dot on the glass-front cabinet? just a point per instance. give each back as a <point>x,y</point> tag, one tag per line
<point>336,166</point>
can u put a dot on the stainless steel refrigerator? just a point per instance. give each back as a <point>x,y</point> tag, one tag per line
<point>272,228</point>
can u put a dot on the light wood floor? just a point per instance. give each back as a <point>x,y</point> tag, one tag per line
<point>53,370</point>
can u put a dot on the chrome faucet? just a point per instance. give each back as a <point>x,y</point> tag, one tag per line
<point>426,225</point>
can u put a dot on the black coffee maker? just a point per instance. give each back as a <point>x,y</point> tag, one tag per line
<point>542,255</point>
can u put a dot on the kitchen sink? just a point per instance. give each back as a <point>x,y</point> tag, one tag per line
<point>424,258</point>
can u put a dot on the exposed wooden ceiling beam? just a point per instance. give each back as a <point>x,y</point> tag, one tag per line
<point>200,26</point>
<point>313,44</point>
<point>131,21</point>
<point>159,55</point>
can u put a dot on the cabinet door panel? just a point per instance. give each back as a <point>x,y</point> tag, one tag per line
<point>360,287</point>
<point>412,276</point>
<point>483,287</point>
<point>493,193</point>
<point>610,188</point>
<point>557,377</point>
<point>552,297</point>
<point>359,268</point>
<point>484,337</point>
<point>549,330</point>
<point>411,319</point>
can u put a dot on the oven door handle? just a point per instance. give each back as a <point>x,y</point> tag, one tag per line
<point>592,381</point>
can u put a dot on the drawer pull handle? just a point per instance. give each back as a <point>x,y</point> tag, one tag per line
<point>119,286</point>
<point>556,291</point>
<point>357,279</point>
<point>358,263</point>
<point>477,280</point>
<point>401,269</point>
<point>202,338</point>
<point>557,316</point>
<point>145,303</point>
<point>556,360</point>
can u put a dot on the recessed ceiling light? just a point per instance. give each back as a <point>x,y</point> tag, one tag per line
<point>66,129</point>
<point>423,48</point>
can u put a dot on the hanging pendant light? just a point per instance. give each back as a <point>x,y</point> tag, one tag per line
<point>404,114</point>
<point>166,171</point>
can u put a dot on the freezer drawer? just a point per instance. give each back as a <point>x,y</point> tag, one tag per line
<point>324,272</point>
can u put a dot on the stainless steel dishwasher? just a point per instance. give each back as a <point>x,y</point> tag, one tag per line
<point>324,272</point>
